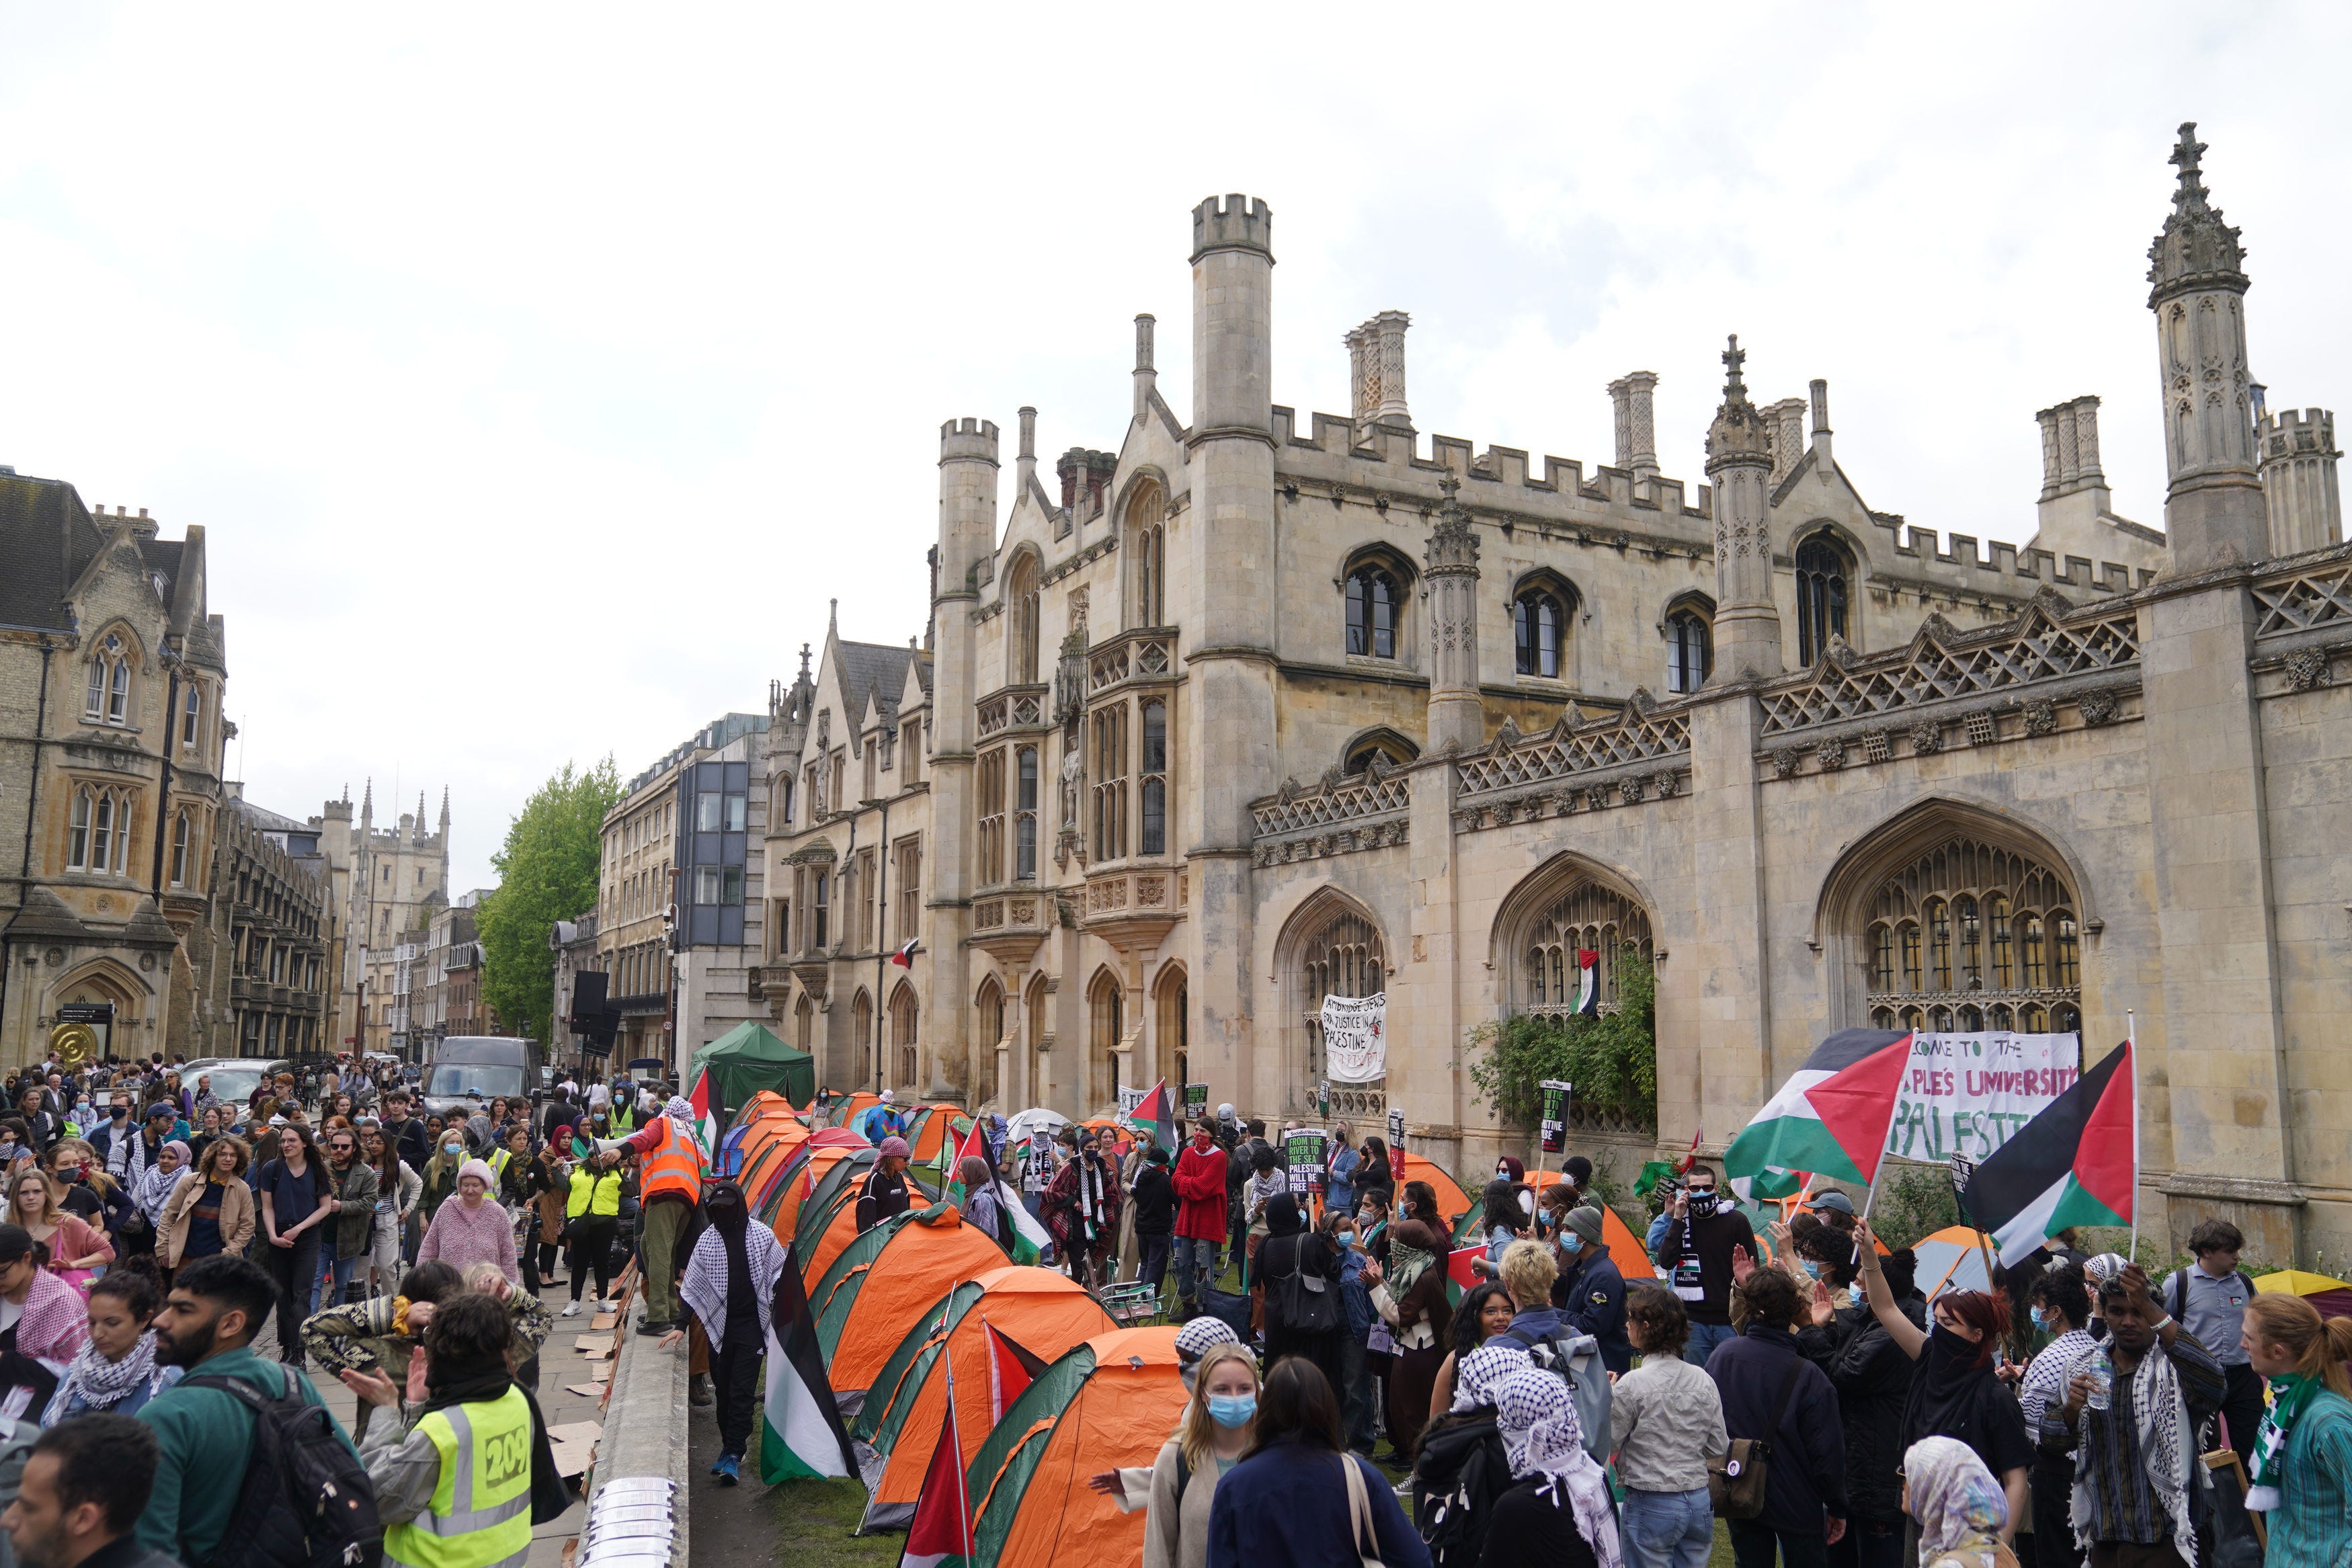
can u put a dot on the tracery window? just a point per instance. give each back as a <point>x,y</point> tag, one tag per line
<point>1154,793</point>
<point>1538,628</point>
<point>1023,598</point>
<point>1587,918</point>
<point>98,834</point>
<point>1340,957</point>
<point>106,697</point>
<point>1025,819</point>
<point>1371,613</point>
<point>989,800</point>
<point>1970,936</point>
<point>1110,783</point>
<point>1823,570</point>
<point>1690,650</point>
<point>1148,537</point>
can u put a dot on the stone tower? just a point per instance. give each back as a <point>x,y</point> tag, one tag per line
<point>2298,458</point>
<point>1457,719</point>
<point>1739,462</point>
<point>2213,506</point>
<point>1229,619</point>
<point>968,470</point>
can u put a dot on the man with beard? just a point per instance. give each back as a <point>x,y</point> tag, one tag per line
<point>83,1486</point>
<point>730,1281</point>
<point>205,1436</point>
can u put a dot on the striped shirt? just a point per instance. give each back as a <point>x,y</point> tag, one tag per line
<point>2108,1464</point>
<point>2313,1523</point>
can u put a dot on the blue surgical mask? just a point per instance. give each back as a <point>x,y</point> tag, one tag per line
<point>1812,1268</point>
<point>1231,1410</point>
<point>2039,1321</point>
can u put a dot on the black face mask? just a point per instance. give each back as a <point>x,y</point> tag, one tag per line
<point>120,1112</point>
<point>1704,1202</point>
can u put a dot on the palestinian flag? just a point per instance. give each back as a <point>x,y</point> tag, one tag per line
<point>1830,1118</point>
<point>1155,1118</point>
<point>803,1438</point>
<point>2075,1164</point>
<point>1010,1369</point>
<point>705,1115</point>
<point>1029,1238</point>
<point>940,1535</point>
<point>1588,982</point>
<point>1458,1269</point>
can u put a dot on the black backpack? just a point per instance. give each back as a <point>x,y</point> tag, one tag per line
<point>306,1501</point>
<point>1458,1472</point>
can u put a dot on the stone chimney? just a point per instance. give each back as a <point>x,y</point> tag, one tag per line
<point>2070,447</point>
<point>1376,370</point>
<point>1146,377</point>
<point>1820,390</point>
<point>1786,422</point>
<point>1637,438</point>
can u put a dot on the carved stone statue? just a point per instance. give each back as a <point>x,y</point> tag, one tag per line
<point>1072,771</point>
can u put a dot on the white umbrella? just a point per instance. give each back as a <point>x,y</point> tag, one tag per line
<point>1035,1119</point>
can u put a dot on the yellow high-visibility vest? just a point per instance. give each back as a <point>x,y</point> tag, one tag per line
<point>596,1193</point>
<point>480,1513</point>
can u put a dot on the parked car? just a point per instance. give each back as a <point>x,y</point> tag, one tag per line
<point>234,1078</point>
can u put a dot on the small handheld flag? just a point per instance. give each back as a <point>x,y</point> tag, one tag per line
<point>1156,1116</point>
<point>706,1118</point>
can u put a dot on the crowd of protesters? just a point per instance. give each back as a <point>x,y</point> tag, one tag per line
<point>173,1263</point>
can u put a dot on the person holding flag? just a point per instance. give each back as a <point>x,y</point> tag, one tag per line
<point>671,1167</point>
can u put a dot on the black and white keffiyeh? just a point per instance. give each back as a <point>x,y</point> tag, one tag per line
<point>2046,1375</point>
<point>100,1384</point>
<point>1546,1443</point>
<point>2161,1420</point>
<point>1478,1376</point>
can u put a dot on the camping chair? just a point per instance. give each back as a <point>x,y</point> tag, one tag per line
<point>1130,1304</point>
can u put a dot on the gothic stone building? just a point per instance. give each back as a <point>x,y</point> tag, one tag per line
<point>1254,709</point>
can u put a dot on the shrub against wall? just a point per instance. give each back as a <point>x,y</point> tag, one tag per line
<point>1612,1059</point>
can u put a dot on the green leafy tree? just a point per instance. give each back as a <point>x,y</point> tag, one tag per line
<point>547,872</point>
<point>1612,1058</point>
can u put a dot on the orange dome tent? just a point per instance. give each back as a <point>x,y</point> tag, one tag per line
<point>1042,1311</point>
<point>1108,1403</point>
<point>877,1290</point>
<point>1453,1203</point>
<point>1626,1249</point>
<point>849,1107</point>
<point>811,1163</point>
<point>935,1133</point>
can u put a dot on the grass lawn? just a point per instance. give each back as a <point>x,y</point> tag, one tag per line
<point>812,1521</point>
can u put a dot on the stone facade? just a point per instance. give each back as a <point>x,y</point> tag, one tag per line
<point>273,978</point>
<point>399,881</point>
<point>1264,708</point>
<point>112,677</point>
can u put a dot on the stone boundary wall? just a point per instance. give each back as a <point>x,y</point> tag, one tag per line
<point>646,1421</point>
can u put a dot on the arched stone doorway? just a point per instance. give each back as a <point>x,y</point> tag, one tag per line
<point>1332,945</point>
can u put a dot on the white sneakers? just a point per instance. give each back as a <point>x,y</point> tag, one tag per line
<point>571,1309</point>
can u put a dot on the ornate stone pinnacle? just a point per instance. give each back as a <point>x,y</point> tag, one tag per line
<point>1738,434</point>
<point>1452,542</point>
<point>2196,250</point>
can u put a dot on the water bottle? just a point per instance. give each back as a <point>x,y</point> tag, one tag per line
<point>2102,1380</point>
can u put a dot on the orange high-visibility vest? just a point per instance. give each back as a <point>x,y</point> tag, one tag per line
<point>676,1166</point>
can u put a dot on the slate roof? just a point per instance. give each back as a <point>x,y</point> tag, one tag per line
<point>879,668</point>
<point>48,539</point>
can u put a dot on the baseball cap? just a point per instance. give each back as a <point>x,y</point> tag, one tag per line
<point>1831,1202</point>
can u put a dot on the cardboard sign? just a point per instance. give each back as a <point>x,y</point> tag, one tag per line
<point>1555,1115</point>
<point>1302,1151</point>
<point>1396,1129</point>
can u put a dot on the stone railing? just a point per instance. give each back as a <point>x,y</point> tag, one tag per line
<point>1349,812</point>
<point>2048,641</point>
<point>2314,593</point>
<point>1012,707</point>
<point>1637,736</point>
<point>1131,655</point>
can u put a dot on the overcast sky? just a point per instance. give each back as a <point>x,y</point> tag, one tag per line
<point>538,373</point>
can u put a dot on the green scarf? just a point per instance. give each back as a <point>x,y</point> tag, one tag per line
<point>1406,1264</point>
<point>2289,1395</point>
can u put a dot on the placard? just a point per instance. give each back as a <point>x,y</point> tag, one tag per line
<point>1396,1129</point>
<point>1555,1115</point>
<point>1355,1037</point>
<point>1967,1094</point>
<point>1323,1100</point>
<point>1302,1151</point>
<point>1128,1099</point>
<point>1196,1101</point>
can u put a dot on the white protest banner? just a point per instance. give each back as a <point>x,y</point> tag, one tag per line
<point>1128,1099</point>
<point>1964,1094</point>
<point>1355,1038</point>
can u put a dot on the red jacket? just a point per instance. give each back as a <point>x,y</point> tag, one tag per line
<point>1201,1193</point>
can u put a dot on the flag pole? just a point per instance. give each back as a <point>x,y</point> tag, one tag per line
<point>2131,1043</point>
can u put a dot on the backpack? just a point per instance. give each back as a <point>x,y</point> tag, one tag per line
<point>1578,1362</point>
<point>307,1501</point>
<point>2176,1290</point>
<point>1457,1473</point>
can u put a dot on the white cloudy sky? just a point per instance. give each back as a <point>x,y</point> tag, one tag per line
<point>538,373</point>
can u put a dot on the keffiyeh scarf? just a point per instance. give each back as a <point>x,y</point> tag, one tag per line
<point>2160,1419</point>
<point>2046,1375</point>
<point>1958,1503</point>
<point>98,1383</point>
<point>1479,1376</point>
<point>1540,1433</point>
<point>704,1286</point>
<point>2289,1395</point>
<point>1092,1217</point>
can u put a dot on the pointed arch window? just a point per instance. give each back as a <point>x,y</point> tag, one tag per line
<point>78,844</point>
<point>1974,933</point>
<point>1588,918</point>
<point>1539,631</point>
<point>1025,819</point>
<point>1690,649</point>
<point>191,710</point>
<point>1024,595</point>
<point>1371,613</point>
<point>1343,956</point>
<point>105,695</point>
<point>1153,796</point>
<point>1147,538</point>
<point>1824,571</point>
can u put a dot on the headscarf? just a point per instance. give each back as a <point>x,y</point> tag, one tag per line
<point>973,1172</point>
<point>98,1383</point>
<point>1955,1500</point>
<point>1412,1251</point>
<point>1540,1433</point>
<point>1478,1376</point>
<point>894,1148</point>
<point>681,1113</point>
<point>559,1143</point>
<point>1282,1215</point>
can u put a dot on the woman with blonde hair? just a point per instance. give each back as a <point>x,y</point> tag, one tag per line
<point>2301,1476</point>
<point>1211,1436</point>
<point>76,1250</point>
